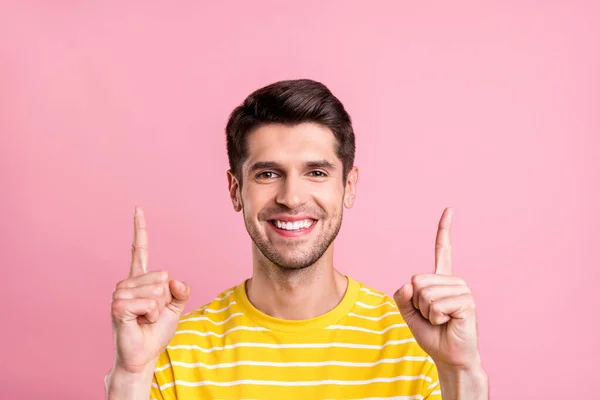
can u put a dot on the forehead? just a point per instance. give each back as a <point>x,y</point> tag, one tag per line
<point>283,143</point>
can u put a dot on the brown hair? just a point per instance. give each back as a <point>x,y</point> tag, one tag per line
<point>289,102</point>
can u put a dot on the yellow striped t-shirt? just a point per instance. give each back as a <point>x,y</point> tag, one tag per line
<point>362,349</point>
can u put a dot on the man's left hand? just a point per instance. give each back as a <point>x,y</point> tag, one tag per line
<point>440,310</point>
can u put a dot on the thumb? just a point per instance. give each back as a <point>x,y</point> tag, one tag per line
<point>411,315</point>
<point>180,293</point>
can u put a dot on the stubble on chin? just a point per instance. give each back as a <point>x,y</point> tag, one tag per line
<point>292,262</point>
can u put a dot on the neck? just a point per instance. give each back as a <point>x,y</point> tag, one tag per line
<point>295,294</point>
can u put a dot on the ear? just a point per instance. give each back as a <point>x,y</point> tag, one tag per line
<point>350,193</point>
<point>234,191</point>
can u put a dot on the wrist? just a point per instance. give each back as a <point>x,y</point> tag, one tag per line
<point>459,383</point>
<point>121,383</point>
<point>139,370</point>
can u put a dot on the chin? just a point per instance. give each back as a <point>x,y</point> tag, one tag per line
<point>292,267</point>
<point>293,263</point>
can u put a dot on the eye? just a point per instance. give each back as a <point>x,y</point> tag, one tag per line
<point>318,174</point>
<point>266,175</point>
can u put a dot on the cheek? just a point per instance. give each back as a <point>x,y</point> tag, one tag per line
<point>255,200</point>
<point>329,198</point>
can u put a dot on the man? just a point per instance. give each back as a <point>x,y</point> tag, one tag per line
<point>298,328</point>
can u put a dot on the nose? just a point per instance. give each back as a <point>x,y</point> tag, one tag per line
<point>292,194</point>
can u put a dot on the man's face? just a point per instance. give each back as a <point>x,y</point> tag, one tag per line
<point>293,192</point>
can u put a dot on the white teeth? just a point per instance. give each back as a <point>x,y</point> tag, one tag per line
<point>294,226</point>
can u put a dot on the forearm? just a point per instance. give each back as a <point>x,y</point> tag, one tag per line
<point>463,384</point>
<point>123,385</point>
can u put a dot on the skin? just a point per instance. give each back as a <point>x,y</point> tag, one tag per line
<point>292,171</point>
<point>145,312</point>
<point>440,311</point>
<point>293,278</point>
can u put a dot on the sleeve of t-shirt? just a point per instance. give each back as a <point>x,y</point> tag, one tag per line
<point>432,391</point>
<point>162,380</point>
<point>155,393</point>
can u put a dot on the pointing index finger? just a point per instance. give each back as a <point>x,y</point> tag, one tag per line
<point>139,247</point>
<point>443,251</point>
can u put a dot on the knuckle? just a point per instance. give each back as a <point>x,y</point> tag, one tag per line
<point>139,244</point>
<point>158,290</point>
<point>140,226</point>
<point>416,280</point>
<point>426,292</point>
<point>471,303</point>
<point>122,284</point>
<point>117,307</point>
<point>415,300</point>
<point>433,317</point>
<point>152,305</point>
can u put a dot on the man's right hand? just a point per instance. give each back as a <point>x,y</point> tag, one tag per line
<point>145,309</point>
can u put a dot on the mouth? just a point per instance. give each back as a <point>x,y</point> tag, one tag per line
<point>293,229</point>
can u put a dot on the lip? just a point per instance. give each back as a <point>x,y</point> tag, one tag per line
<point>289,218</point>
<point>289,234</point>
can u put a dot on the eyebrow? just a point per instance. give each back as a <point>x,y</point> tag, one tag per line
<point>275,165</point>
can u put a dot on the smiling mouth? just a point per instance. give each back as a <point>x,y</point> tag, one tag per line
<point>295,226</point>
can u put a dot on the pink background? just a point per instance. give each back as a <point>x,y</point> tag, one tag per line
<point>491,109</point>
